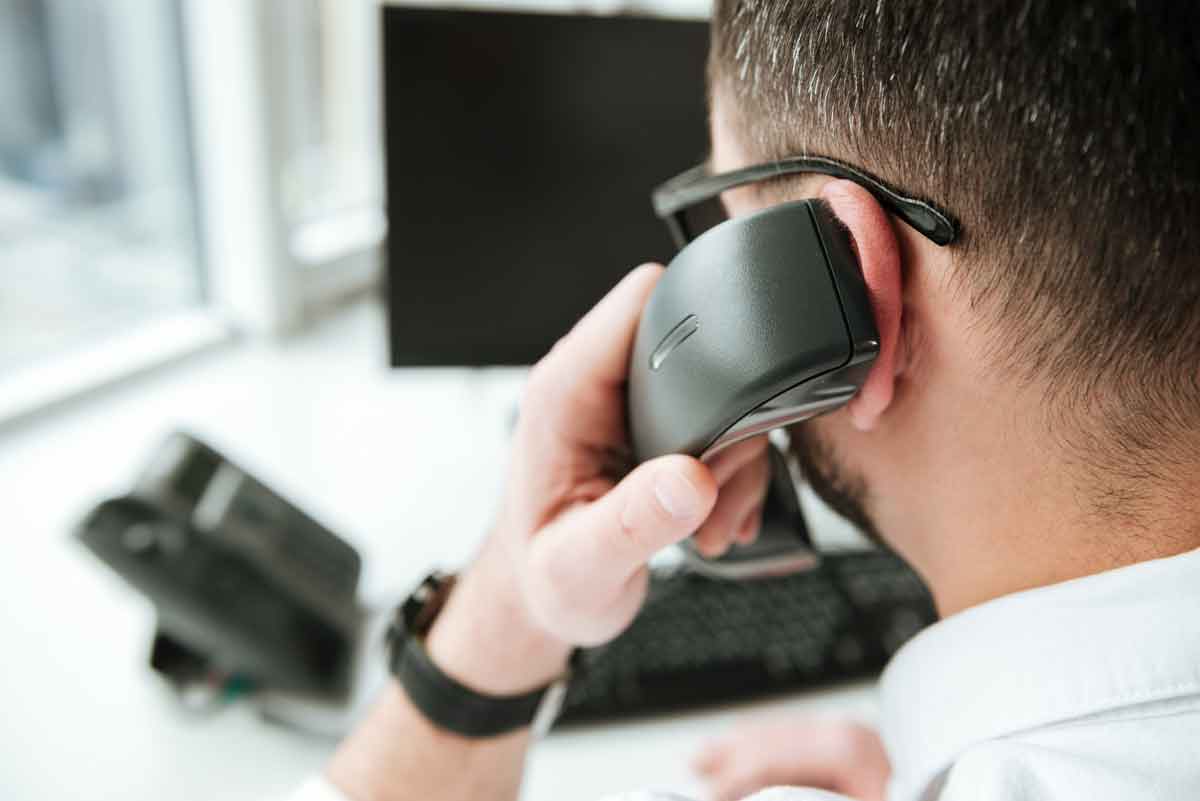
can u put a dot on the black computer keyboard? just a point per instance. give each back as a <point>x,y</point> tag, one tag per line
<point>702,641</point>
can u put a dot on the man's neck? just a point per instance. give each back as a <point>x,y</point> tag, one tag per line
<point>1035,530</point>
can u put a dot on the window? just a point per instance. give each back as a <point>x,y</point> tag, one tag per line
<point>327,83</point>
<point>97,202</point>
<point>172,171</point>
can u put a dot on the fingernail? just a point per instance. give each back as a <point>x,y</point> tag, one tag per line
<point>676,495</point>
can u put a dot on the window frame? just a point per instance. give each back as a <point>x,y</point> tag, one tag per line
<point>262,276</point>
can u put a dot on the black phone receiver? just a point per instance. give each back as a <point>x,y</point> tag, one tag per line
<point>760,322</point>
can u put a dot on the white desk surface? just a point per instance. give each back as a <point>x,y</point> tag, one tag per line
<point>406,464</point>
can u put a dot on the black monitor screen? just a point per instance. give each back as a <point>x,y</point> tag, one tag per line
<point>521,151</point>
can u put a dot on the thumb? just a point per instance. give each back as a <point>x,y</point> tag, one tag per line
<point>659,503</point>
<point>582,564</point>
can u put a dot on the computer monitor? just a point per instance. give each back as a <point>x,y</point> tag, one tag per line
<point>521,150</point>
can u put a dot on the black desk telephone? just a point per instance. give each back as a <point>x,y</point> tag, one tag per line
<point>245,585</point>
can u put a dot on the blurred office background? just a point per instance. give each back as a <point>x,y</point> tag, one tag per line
<point>186,188</point>
<point>194,234</point>
<point>172,172</point>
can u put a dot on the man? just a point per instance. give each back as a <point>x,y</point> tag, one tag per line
<point>1028,438</point>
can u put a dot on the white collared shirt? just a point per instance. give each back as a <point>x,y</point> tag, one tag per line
<point>1089,689</point>
<point>1085,689</point>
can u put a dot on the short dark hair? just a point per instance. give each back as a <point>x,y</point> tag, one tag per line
<point>1065,138</point>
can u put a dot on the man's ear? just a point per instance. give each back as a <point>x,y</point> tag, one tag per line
<point>878,254</point>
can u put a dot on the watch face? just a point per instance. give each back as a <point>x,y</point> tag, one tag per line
<point>421,608</point>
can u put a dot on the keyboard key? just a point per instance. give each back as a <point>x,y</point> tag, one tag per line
<point>702,641</point>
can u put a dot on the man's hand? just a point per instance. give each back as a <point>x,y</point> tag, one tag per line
<point>839,756</point>
<point>565,564</point>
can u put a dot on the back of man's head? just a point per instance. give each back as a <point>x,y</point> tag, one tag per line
<point>1063,136</point>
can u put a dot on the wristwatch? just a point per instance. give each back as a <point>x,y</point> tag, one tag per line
<point>446,702</point>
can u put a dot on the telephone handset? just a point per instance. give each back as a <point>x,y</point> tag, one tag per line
<point>760,322</point>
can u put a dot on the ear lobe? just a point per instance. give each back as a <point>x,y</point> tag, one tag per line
<point>879,257</point>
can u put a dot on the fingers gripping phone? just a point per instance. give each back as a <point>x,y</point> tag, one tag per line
<point>761,322</point>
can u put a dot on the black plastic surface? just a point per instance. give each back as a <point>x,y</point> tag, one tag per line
<point>218,604</point>
<point>520,150</point>
<point>699,642</point>
<point>190,479</point>
<point>240,578</point>
<point>768,317</point>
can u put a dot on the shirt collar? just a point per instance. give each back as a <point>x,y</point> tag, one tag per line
<point>1038,657</point>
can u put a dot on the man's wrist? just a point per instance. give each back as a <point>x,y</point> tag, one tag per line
<point>486,639</point>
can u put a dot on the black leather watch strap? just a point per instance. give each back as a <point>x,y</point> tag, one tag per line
<point>444,701</point>
<point>452,706</point>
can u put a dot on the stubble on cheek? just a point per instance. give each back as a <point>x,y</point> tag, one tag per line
<point>844,490</point>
